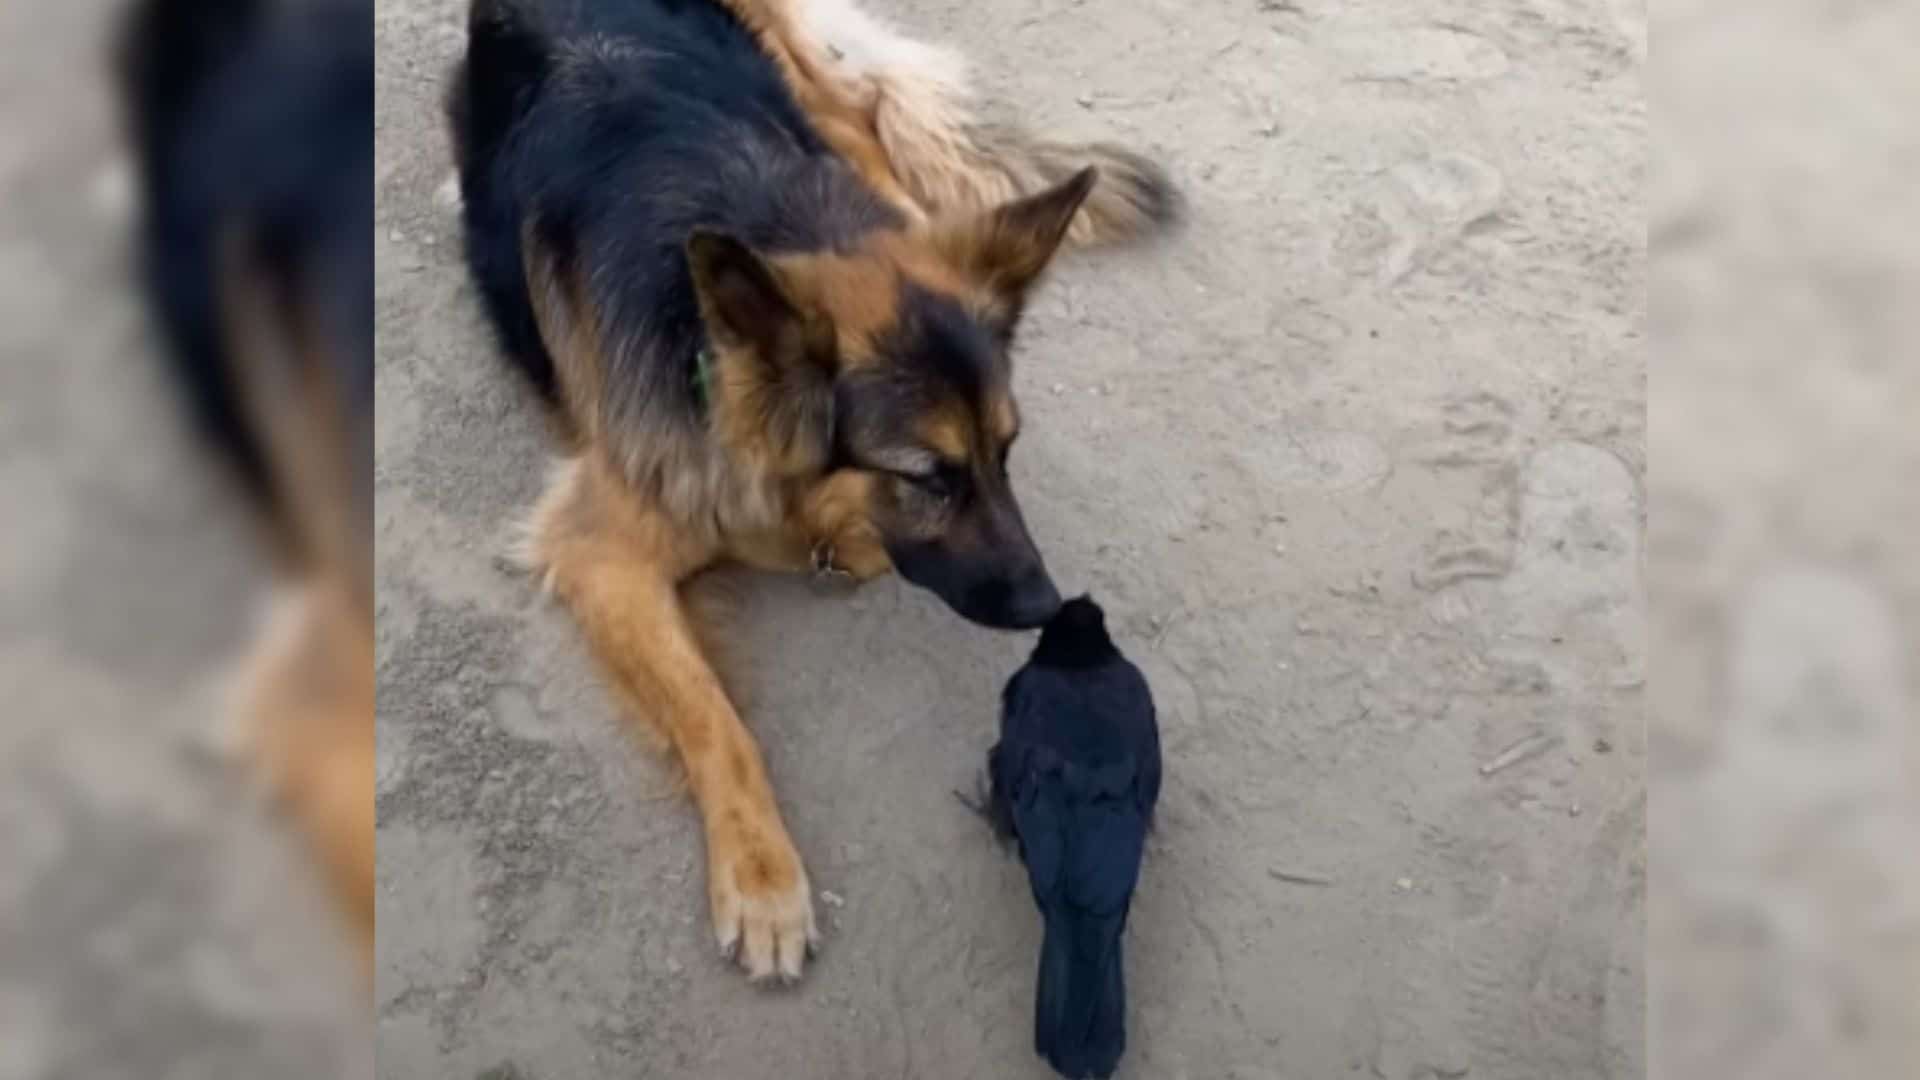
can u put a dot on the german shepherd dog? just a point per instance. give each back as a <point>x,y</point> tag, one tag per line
<point>770,295</point>
<point>248,126</point>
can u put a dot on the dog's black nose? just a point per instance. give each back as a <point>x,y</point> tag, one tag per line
<point>1032,601</point>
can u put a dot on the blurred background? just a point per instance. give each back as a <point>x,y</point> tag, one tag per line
<point>156,920</point>
<point>1784,434</point>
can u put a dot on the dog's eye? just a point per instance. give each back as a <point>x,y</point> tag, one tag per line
<point>938,484</point>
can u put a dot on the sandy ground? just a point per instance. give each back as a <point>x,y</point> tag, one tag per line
<point>1784,928</point>
<point>154,921</point>
<point>1357,464</point>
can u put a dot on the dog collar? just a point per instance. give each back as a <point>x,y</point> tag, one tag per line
<point>824,568</point>
<point>703,376</point>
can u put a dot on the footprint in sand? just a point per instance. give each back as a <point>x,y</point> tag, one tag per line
<point>1414,210</point>
<point>1322,460</point>
<point>1576,567</point>
<point>1420,54</point>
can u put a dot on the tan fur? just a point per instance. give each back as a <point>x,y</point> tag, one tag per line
<point>831,519</point>
<point>572,339</point>
<point>619,565</point>
<point>917,252</point>
<point>842,110</point>
<point>948,430</point>
<point>855,292</point>
<point>1003,418</point>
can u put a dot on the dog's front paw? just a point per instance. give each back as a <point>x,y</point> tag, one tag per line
<point>762,913</point>
<point>862,557</point>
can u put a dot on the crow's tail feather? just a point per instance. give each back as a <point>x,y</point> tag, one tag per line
<point>1079,1022</point>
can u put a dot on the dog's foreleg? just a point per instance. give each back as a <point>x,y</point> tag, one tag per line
<point>304,721</point>
<point>618,566</point>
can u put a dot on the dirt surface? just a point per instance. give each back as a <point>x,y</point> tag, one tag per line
<point>1356,463</point>
<point>1784,929</point>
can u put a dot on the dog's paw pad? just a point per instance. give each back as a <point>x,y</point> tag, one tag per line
<point>763,915</point>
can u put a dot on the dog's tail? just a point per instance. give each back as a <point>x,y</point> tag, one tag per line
<point>952,159</point>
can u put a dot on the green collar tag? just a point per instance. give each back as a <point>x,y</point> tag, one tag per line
<point>703,376</point>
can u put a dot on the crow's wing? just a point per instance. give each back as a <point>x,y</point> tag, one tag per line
<point>1027,777</point>
<point>1075,776</point>
<point>1081,829</point>
<point>1107,835</point>
<point>1124,703</point>
<point>1027,700</point>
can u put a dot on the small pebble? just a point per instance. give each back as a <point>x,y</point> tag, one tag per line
<point>1602,746</point>
<point>447,195</point>
<point>1404,884</point>
<point>832,899</point>
<point>112,190</point>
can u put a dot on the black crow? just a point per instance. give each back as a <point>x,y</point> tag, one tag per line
<point>1074,779</point>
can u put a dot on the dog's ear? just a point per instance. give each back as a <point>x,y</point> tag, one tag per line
<point>1007,247</point>
<point>770,386</point>
<point>742,299</point>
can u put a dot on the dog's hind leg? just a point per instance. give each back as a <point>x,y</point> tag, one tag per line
<point>841,108</point>
<point>618,565</point>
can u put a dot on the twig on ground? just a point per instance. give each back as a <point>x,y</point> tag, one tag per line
<point>1531,746</point>
<point>1298,877</point>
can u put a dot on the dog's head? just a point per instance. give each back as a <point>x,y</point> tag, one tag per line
<point>892,360</point>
